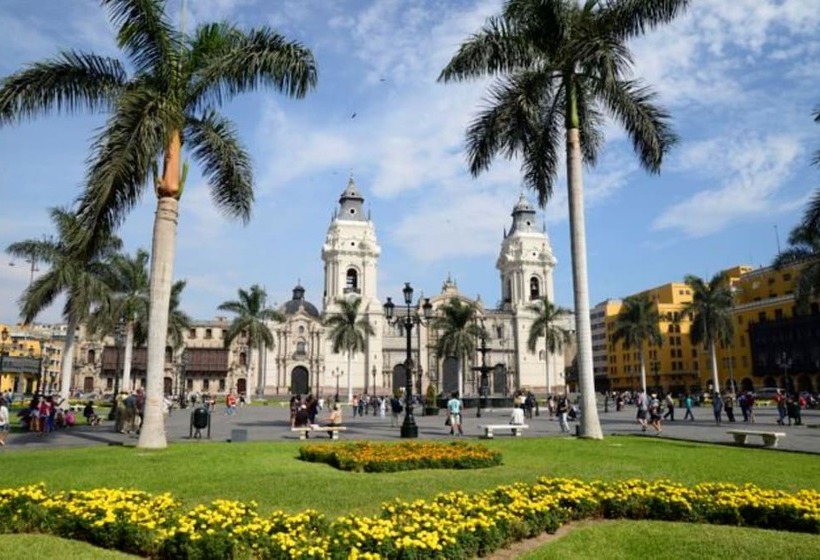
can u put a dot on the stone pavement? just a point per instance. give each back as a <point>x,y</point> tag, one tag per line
<point>270,423</point>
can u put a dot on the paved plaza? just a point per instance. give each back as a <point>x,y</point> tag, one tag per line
<point>271,423</point>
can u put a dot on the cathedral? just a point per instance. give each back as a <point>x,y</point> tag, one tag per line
<point>301,359</point>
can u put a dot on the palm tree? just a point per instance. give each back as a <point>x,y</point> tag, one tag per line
<point>80,275</point>
<point>129,284</point>
<point>560,64</point>
<point>547,324</point>
<point>638,323</point>
<point>348,333</point>
<point>803,250</point>
<point>251,313</point>
<point>168,103</point>
<point>711,315</point>
<point>179,322</point>
<point>458,332</point>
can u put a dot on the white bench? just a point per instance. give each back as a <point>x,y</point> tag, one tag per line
<point>332,430</point>
<point>516,429</point>
<point>769,438</point>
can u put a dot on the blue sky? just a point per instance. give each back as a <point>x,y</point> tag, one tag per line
<point>739,79</point>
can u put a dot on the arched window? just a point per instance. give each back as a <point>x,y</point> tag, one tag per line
<point>242,359</point>
<point>352,281</point>
<point>508,294</point>
<point>301,348</point>
<point>535,288</point>
<point>91,357</point>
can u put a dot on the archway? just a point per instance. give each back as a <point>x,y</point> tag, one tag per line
<point>499,385</point>
<point>167,386</point>
<point>241,386</point>
<point>747,385</point>
<point>399,378</point>
<point>449,382</point>
<point>299,380</point>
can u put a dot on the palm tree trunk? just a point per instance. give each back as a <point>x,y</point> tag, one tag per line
<point>349,381</point>
<point>129,353</point>
<point>66,366</point>
<point>546,369</point>
<point>643,374</point>
<point>261,372</point>
<point>460,371</point>
<point>251,388</point>
<point>590,424</point>
<point>714,366</point>
<point>152,433</point>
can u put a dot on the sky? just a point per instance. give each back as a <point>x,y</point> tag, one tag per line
<point>739,79</point>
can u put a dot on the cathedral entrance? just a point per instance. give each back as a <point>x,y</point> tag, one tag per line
<point>449,381</point>
<point>399,379</point>
<point>299,381</point>
<point>499,383</point>
<point>242,386</point>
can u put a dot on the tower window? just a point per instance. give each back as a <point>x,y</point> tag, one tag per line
<point>300,348</point>
<point>535,288</point>
<point>352,281</point>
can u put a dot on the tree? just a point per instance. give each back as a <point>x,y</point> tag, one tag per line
<point>80,275</point>
<point>547,324</point>
<point>560,64</point>
<point>178,321</point>
<point>458,332</point>
<point>251,313</point>
<point>803,249</point>
<point>348,332</point>
<point>711,315</point>
<point>637,324</point>
<point>169,102</point>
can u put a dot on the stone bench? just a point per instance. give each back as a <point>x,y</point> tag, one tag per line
<point>516,429</point>
<point>332,430</point>
<point>769,438</point>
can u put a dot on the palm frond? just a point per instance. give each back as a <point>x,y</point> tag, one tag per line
<point>631,103</point>
<point>632,18</point>
<point>66,84</point>
<point>226,165</point>
<point>146,35</point>
<point>497,48</point>
<point>225,61</point>
<point>123,157</point>
<point>811,216</point>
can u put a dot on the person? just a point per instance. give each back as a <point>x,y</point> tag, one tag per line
<point>517,416</point>
<point>561,409</point>
<point>670,407</point>
<point>717,407</point>
<point>688,404</point>
<point>302,419</point>
<point>750,404</point>
<point>643,407</point>
<point>454,407</point>
<point>230,404</point>
<point>89,414</point>
<point>334,418</point>
<point>780,399</point>
<point>655,413</point>
<point>744,407</point>
<point>395,409</point>
<point>729,406</point>
<point>5,422</point>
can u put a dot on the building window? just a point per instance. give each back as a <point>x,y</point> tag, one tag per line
<point>352,281</point>
<point>208,333</point>
<point>206,384</point>
<point>243,359</point>
<point>300,348</point>
<point>778,314</point>
<point>786,277</point>
<point>91,357</point>
<point>222,385</point>
<point>535,288</point>
<point>192,333</point>
<point>761,316</point>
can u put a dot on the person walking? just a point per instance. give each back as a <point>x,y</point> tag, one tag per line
<point>729,406</point>
<point>454,406</point>
<point>670,407</point>
<point>717,407</point>
<point>562,409</point>
<point>655,414</point>
<point>688,404</point>
<point>395,409</point>
<point>5,422</point>
<point>643,407</point>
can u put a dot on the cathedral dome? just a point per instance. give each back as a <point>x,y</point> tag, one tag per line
<point>299,303</point>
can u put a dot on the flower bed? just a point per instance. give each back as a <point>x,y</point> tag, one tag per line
<point>451,525</point>
<point>365,456</point>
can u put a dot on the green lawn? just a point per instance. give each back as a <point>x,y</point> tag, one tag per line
<point>271,474</point>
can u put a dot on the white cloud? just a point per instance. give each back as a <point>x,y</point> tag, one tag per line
<point>749,172</point>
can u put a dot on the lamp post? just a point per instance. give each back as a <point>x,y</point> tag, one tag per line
<point>119,339</point>
<point>409,429</point>
<point>656,366</point>
<point>183,366</point>
<point>336,373</point>
<point>483,369</point>
<point>4,336</point>
<point>786,362</point>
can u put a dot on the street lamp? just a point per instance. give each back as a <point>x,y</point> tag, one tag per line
<point>4,336</point>
<point>119,340</point>
<point>484,369</point>
<point>337,373</point>
<point>409,429</point>
<point>786,362</point>
<point>183,366</point>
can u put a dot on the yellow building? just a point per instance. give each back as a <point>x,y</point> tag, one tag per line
<point>25,364</point>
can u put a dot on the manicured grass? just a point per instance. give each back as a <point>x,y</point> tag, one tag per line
<point>46,546</point>
<point>271,474</point>
<point>656,539</point>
